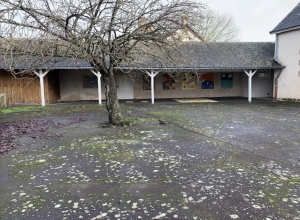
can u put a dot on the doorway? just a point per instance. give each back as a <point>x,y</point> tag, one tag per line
<point>124,87</point>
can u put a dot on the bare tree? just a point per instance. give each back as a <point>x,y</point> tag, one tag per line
<point>106,33</point>
<point>214,26</point>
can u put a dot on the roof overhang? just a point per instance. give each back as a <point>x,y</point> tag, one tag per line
<point>285,30</point>
<point>237,69</point>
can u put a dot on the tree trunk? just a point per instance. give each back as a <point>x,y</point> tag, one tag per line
<point>112,102</point>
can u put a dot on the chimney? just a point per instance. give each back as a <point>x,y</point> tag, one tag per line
<point>185,20</point>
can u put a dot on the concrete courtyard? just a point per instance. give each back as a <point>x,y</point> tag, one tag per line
<point>228,159</point>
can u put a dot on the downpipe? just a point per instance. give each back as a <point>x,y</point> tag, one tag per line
<point>276,84</point>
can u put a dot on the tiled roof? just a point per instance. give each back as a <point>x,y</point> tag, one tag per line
<point>290,22</point>
<point>192,55</point>
<point>221,56</point>
<point>24,62</point>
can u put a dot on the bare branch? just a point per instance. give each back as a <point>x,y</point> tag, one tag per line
<point>213,26</point>
<point>108,34</point>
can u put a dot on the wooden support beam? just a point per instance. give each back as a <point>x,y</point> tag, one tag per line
<point>250,73</point>
<point>152,74</point>
<point>41,75</point>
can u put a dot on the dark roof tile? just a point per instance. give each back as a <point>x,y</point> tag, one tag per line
<point>222,56</point>
<point>291,21</point>
<point>193,55</point>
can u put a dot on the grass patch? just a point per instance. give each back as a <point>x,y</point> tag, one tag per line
<point>149,195</point>
<point>16,109</point>
<point>52,110</point>
<point>168,179</point>
<point>99,146</point>
<point>107,179</point>
<point>124,121</point>
<point>171,115</point>
<point>116,152</point>
<point>25,167</point>
<point>56,160</point>
<point>290,103</point>
<point>120,156</point>
<point>37,203</point>
<point>90,195</point>
<point>293,180</point>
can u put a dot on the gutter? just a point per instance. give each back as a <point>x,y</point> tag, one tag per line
<point>198,68</point>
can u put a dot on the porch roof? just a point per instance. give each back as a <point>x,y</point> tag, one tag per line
<point>188,56</point>
<point>24,62</point>
<point>219,56</point>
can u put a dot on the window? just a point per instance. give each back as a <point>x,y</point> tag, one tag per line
<point>90,81</point>
<point>226,81</point>
<point>264,75</point>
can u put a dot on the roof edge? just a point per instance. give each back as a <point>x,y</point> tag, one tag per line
<point>205,68</point>
<point>285,30</point>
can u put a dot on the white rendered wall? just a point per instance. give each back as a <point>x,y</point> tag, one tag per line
<point>198,92</point>
<point>289,56</point>
<point>261,87</point>
<point>71,86</point>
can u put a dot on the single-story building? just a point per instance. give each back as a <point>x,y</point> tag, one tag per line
<point>211,70</point>
<point>231,69</point>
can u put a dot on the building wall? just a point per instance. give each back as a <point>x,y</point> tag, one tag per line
<point>71,86</point>
<point>68,85</point>
<point>289,56</point>
<point>261,87</point>
<point>178,92</point>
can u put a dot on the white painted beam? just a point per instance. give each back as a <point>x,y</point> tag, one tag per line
<point>152,74</point>
<point>98,74</point>
<point>41,75</point>
<point>250,73</point>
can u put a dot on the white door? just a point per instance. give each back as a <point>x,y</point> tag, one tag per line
<point>124,87</point>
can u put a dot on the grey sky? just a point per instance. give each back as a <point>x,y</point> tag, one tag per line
<point>255,17</point>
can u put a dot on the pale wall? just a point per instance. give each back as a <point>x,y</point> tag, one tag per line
<point>289,56</point>
<point>71,86</point>
<point>261,87</point>
<point>139,93</point>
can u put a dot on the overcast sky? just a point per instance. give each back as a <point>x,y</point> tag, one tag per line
<point>256,18</point>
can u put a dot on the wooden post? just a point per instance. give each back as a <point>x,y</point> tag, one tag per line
<point>250,74</point>
<point>98,74</point>
<point>41,75</point>
<point>152,74</point>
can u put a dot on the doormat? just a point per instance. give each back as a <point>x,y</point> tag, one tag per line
<point>194,100</point>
